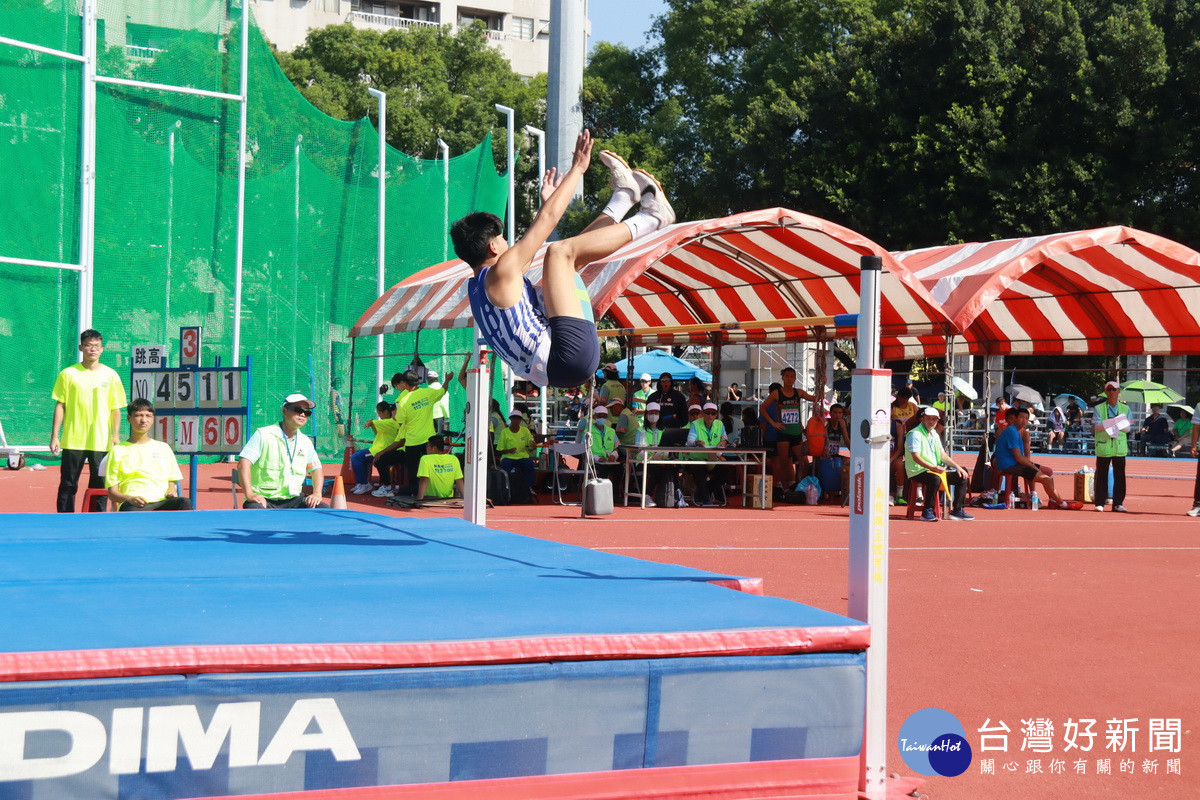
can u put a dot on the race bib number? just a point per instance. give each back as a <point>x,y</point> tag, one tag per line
<point>790,416</point>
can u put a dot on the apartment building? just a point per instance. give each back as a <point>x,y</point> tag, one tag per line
<point>520,29</point>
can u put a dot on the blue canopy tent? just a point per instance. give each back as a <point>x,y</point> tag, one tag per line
<point>656,362</point>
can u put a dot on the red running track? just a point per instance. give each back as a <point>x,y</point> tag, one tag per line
<point>1019,615</point>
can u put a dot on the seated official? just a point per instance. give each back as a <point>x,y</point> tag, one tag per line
<point>604,445</point>
<point>926,461</point>
<point>625,422</point>
<point>439,474</point>
<point>650,435</point>
<point>515,446</point>
<point>140,473</point>
<point>276,459</point>
<point>710,476</point>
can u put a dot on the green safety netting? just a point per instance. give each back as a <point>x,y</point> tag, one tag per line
<point>166,212</point>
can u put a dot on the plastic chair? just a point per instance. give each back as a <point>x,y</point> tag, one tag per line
<point>100,496</point>
<point>562,451</point>
<point>1004,484</point>
<point>233,487</point>
<point>910,491</point>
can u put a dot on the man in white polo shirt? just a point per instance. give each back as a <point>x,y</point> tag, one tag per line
<point>273,464</point>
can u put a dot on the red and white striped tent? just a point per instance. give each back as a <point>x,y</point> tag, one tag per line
<point>1107,291</point>
<point>759,265</point>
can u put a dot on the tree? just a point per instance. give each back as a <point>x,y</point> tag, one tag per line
<point>925,122</point>
<point>438,84</point>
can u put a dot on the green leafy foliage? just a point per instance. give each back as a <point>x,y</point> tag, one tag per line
<point>918,122</point>
<point>438,84</point>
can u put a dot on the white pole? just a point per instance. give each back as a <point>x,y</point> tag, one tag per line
<point>564,110</point>
<point>870,435</point>
<point>296,231</point>
<point>170,226</point>
<point>445,149</point>
<point>512,177</point>
<point>475,474</point>
<point>540,135</point>
<point>381,258</point>
<point>87,169</point>
<point>512,214</point>
<point>240,249</point>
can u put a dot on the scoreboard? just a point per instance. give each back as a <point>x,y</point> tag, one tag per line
<point>200,410</point>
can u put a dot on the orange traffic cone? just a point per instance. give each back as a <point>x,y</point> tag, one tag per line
<point>347,470</point>
<point>338,500</point>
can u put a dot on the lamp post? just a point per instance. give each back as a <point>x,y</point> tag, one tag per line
<point>540,135</point>
<point>445,149</point>
<point>512,178</point>
<point>381,257</point>
<point>512,214</point>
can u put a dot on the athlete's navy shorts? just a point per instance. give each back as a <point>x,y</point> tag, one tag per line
<point>574,352</point>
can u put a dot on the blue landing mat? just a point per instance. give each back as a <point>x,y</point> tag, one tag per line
<point>107,581</point>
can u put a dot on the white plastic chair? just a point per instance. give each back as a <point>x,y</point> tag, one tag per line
<point>571,450</point>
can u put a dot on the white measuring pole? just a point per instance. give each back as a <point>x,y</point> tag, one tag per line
<point>870,433</point>
<point>477,414</point>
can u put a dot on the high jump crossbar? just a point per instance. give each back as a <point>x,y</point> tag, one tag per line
<point>835,320</point>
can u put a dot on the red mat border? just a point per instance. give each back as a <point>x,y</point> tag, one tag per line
<point>135,661</point>
<point>810,778</point>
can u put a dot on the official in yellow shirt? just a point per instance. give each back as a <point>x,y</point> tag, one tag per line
<point>88,398</point>
<point>141,472</point>
<point>515,448</point>
<point>415,416</point>
<point>439,474</point>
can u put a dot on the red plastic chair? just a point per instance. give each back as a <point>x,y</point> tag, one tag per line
<point>100,498</point>
<point>910,491</point>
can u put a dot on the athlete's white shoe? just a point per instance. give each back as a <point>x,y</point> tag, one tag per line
<point>383,491</point>
<point>654,201</point>
<point>620,175</point>
<point>361,488</point>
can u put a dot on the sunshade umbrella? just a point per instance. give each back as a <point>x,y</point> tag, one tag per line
<point>1019,391</point>
<point>1177,410</point>
<point>1149,392</point>
<point>965,389</point>
<point>1064,399</point>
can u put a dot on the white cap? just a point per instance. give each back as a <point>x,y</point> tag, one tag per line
<point>430,373</point>
<point>515,413</point>
<point>653,407</point>
<point>620,400</point>
<point>645,376</point>
<point>1112,385</point>
<point>598,410</point>
<point>299,399</point>
<point>710,407</point>
<point>930,411</point>
<point>695,407</point>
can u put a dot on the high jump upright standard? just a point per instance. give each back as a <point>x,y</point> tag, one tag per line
<point>869,437</point>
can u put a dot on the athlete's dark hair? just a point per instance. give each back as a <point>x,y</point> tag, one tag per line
<point>472,234</point>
